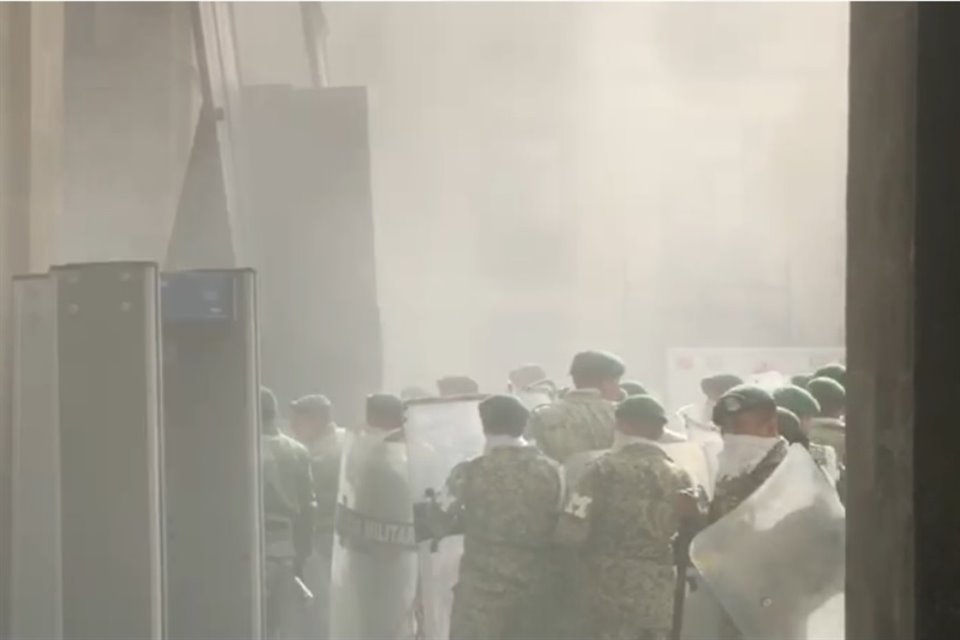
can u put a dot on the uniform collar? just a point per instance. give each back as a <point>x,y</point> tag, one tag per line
<point>621,440</point>
<point>497,441</point>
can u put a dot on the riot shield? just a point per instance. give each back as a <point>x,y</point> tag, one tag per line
<point>441,433</point>
<point>574,465</point>
<point>533,397</point>
<point>776,562</point>
<point>374,564</point>
<point>693,459</point>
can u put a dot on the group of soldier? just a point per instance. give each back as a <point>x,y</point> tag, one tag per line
<point>576,518</point>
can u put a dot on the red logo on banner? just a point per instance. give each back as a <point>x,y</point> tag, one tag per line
<point>685,363</point>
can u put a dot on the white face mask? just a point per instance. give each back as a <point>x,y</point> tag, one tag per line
<point>741,454</point>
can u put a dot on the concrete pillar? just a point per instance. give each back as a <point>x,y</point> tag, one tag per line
<point>902,316</point>
<point>31,115</point>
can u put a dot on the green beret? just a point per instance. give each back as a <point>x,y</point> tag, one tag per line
<point>632,388</point>
<point>719,384</point>
<point>312,405</point>
<point>798,400</point>
<point>800,380</point>
<point>643,409</point>
<point>385,405</point>
<point>596,365</point>
<point>828,392</point>
<point>744,397</point>
<point>834,371</point>
<point>503,412</point>
<point>788,424</point>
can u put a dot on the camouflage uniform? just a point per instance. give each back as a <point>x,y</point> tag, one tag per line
<point>506,503</point>
<point>288,521</point>
<point>623,514</point>
<point>582,421</point>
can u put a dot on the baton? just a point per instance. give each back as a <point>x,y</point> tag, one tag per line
<point>305,593</point>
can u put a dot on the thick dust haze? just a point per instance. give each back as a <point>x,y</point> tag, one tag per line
<point>550,177</point>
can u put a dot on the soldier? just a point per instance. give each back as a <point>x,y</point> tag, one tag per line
<point>288,520</point>
<point>582,420</point>
<point>633,388</point>
<point>806,408</point>
<point>800,380</point>
<point>623,517</point>
<point>788,425</point>
<point>505,503</point>
<point>752,446</point>
<point>375,557</point>
<point>457,386</point>
<point>313,425</point>
<point>835,371</point>
<point>828,428</point>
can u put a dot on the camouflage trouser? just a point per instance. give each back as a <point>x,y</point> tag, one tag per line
<point>480,614</point>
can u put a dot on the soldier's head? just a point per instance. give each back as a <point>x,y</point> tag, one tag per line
<point>715,386</point>
<point>457,386</point>
<point>268,411</point>
<point>788,425</point>
<point>598,370</point>
<point>503,415</point>
<point>385,411</point>
<point>799,402</point>
<point>831,395</point>
<point>525,376</point>
<point>633,388</point>
<point>747,410</point>
<point>641,415</point>
<point>801,380</point>
<point>311,417</point>
<point>834,371</point>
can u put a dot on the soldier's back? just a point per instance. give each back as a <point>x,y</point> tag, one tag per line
<point>511,498</point>
<point>628,556</point>
<point>582,421</point>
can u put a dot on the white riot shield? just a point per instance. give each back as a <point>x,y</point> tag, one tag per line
<point>574,465</point>
<point>441,433</point>
<point>693,459</point>
<point>776,562</point>
<point>374,563</point>
<point>534,397</point>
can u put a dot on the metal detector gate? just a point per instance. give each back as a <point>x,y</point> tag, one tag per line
<point>35,558</point>
<point>111,467</point>
<point>211,450</point>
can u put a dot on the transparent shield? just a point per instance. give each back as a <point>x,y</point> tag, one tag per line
<point>692,457</point>
<point>776,562</point>
<point>374,563</point>
<point>441,433</point>
<point>533,397</point>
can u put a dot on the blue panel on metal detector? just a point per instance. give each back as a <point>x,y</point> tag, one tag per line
<point>192,296</point>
